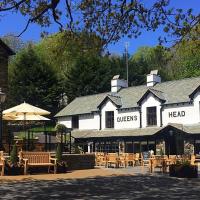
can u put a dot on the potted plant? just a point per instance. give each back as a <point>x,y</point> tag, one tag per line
<point>61,165</point>
<point>13,167</point>
<point>183,170</point>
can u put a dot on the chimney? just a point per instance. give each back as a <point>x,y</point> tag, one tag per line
<point>117,83</point>
<point>153,78</point>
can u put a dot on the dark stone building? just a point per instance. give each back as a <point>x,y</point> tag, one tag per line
<point>5,52</point>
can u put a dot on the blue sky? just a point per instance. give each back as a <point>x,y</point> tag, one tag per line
<point>14,23</point>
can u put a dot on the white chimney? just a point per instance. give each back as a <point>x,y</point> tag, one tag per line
<point>117,84</point>
<point>153,78</point>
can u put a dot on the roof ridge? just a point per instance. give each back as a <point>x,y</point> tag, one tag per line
<point>156,90</point>
<point>183,79</point>
<point>92,95</point>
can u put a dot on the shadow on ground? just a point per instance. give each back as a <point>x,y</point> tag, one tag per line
<point>114,187</point>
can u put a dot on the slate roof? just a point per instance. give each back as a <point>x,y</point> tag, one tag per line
<point>149,131</point>
<point>115,133</point>
<point>176,91</point>
<point>114,98</point>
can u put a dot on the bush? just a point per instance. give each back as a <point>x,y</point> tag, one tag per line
<point>61,128</point>
<point>183,170</point>
<point>13,155</point>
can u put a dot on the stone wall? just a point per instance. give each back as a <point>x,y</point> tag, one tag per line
<point>3,71</point>
<point>79,161</point>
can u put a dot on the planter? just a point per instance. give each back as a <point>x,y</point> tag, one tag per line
<point>13,170</point>
<point>61,167</point>
<point>183,171</point>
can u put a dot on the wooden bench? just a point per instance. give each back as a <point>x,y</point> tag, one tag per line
<point>37,159</point>
<point>2,163</point>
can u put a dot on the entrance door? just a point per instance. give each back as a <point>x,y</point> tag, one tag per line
<point>175,144</point>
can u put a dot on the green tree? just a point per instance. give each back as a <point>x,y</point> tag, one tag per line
<point>185,61</point>
<point>147,59</point>
<point>89,75</point>
<point>109,19</point>
<point>60,50</point>
<point>33,81</point>
<point>14,155</point>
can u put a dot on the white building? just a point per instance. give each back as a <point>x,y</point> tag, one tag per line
<point>157,116</point>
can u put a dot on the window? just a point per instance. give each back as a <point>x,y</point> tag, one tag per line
<point>110,119</point>
<point>151,116</point>
<point>75,122</point>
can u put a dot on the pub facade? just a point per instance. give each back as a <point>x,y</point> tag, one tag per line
<point>159,116</point>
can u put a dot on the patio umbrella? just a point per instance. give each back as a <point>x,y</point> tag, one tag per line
<point>9,117</point>
<point>24,111</point>
<point>31,118</point>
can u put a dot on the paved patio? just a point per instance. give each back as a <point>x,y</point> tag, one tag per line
<point>106,184</point>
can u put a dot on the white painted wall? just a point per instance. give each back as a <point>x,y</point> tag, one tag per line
<point>178,110</point>
<point>150,101</point>
<point>66,121</point>
<point>89,121</point>
<point>196,103</point>
<point>107,106</point>
<point>135,123</point>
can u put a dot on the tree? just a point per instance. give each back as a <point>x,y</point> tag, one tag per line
<point>33,81</point>
<point>109,19</point>
<point>185,61</point>
<point>89,75</point>
<point>14,155</point>
<point>147,59</point>
<point>61,49</point>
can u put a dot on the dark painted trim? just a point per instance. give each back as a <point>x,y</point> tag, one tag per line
<point>161,119</point>
<point>100,120</point>
<point>140,110</point>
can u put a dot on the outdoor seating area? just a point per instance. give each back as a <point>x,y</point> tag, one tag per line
<point>155,163</point>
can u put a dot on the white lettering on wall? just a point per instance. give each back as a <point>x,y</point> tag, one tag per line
<point>176,114</point>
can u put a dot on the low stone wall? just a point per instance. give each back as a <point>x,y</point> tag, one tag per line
<point>79,161</point>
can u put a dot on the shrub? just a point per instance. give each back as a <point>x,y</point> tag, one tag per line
<point>13,155</point>
<point>61,128</point>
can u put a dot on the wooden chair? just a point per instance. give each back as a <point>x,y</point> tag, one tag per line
<point>122,160</point>
<point>112,158</point>
<point>37,159</point>
<point>137,159</point>
<point>130,159</point>
<point>158,162</point>
<point>2,163</point>
<point>100,158</point>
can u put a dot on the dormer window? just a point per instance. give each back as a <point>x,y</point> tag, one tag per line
<point>151,116</point>
<point>109,119</point>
